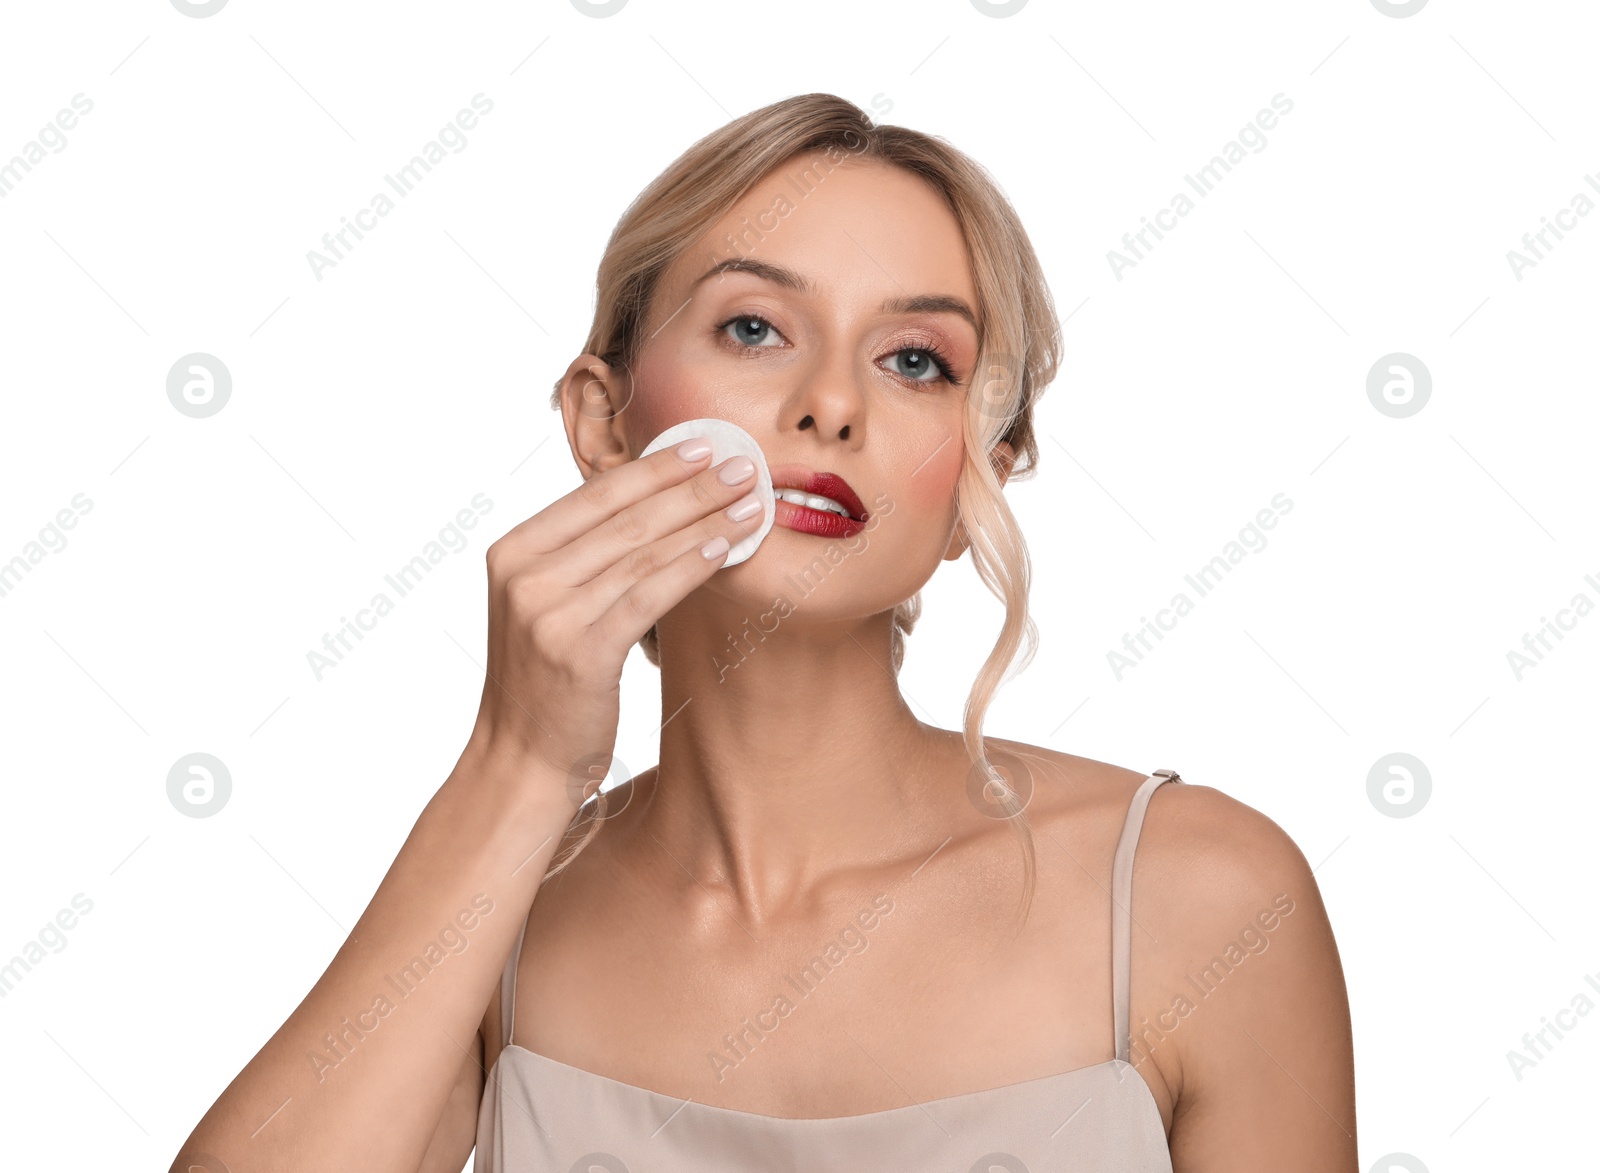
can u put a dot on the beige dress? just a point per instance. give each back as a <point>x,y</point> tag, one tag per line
<point>539,1115</point>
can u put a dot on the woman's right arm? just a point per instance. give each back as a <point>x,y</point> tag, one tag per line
<point>360,1073</point>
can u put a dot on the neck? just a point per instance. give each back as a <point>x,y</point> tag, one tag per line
<point>788,756</point>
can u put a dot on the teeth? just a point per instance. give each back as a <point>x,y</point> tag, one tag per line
<point>827,504</point>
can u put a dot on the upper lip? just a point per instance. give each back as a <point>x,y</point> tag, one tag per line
<point>820,484</point>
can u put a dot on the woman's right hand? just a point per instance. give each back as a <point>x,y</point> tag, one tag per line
<point>575,586</point>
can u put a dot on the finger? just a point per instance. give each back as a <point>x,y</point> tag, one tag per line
<point>604,590</point>
<point>647,600</point>
<point>603,496</point>
<point>667,512</point>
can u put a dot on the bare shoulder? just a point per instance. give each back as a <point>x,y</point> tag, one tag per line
<point>1202,854</point>
<point>1225,850</point>
<point>1239,1002</point>
<point>1265,1030</point>
<point>1219,880</point>
<point>1063,786</point>
<point>1206,862</point>
<point>1222,850</point>
<point>1239,997</point>
<point>1091,798</point>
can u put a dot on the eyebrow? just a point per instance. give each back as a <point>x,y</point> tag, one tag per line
<point>927,303</point>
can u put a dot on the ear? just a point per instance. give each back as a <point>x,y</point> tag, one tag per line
<point>1003,458</point>
<point>593,396</point>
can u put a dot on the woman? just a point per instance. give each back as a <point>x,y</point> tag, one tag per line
<point>782,947</point>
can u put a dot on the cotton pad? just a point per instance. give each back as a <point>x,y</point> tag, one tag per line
<point>727,440</point>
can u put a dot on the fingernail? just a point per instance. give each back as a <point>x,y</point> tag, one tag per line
<point>715,548</point>
<point>694,449</point>
<point>744,507</point>
<point>738,469</point>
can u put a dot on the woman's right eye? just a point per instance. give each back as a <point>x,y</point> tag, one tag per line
<point>748,329</point>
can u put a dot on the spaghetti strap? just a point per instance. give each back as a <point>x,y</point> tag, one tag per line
<point>508,989</point>
<point>1122,909</point>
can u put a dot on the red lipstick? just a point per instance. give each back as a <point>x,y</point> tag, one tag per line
<point>821,522</point>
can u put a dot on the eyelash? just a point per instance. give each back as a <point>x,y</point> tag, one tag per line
<point>940,360</point>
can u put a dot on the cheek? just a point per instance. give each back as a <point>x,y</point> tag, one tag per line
<point>931,490</point>
<point>667,392</point>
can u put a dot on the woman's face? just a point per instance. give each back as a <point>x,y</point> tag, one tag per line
<point>840,344</point>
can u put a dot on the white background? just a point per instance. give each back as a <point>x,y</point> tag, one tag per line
<point>368,407</point>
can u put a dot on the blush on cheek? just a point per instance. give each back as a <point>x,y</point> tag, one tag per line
<point>663,395</point>
<point>932,489</point>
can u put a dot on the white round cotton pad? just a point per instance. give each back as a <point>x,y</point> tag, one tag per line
<point>729,440</point>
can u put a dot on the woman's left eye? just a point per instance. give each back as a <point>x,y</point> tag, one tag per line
<point>929,359</point>
<point>750,329</point>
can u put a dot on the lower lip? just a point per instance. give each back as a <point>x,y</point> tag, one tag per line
<point>815,521</point>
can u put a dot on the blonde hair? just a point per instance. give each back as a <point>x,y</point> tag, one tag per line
<point>1019,346</point>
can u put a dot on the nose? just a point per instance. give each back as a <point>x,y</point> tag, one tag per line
<point>831,403</point>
